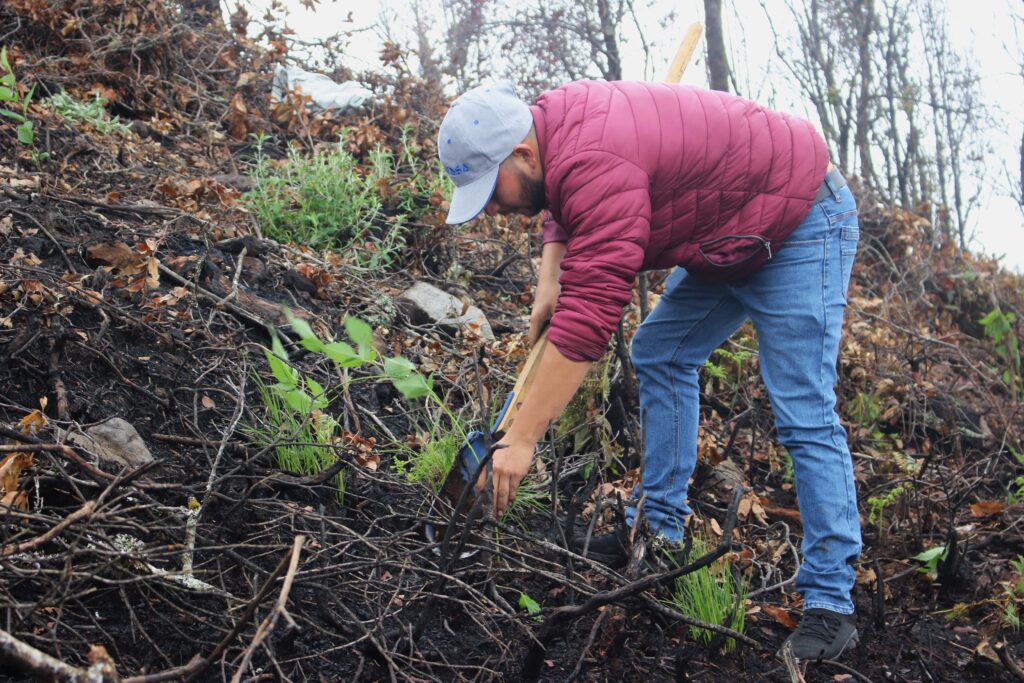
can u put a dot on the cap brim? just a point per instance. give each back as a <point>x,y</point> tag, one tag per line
<point>469,200</point>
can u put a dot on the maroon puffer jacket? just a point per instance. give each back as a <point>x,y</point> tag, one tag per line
<point>644,175</point>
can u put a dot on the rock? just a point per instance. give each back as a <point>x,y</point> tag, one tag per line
<point>725,476</point>
<point>424,303</point>
<point>114,442</point>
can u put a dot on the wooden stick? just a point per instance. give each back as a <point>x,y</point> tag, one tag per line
<point>523,384</point>
<point>270,621</point>
<point>685,52</point>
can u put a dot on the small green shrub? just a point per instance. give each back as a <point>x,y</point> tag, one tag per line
<point>711,594</point>
<point>531,496</point>
<point>430,464</point>
<point>92,113</point>
<point>327,200</point>
<point>10,94</point>
<point>877,505</point>
<point>930,560</point>
<point>1015,492</point>
<point>999,329</point>
<point>322,201</point>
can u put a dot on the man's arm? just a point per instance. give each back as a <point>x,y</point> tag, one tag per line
<point>556,381</point>
<point>546,296</point>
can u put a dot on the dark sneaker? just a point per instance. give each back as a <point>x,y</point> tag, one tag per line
<point>611,550</point>
<point>822,634</point>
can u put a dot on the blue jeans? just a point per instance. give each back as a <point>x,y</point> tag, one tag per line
<point>796,301</point>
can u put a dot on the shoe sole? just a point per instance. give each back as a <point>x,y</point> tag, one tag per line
<point>851,642</point>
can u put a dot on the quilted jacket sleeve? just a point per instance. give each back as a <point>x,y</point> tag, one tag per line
<point>552,231</point>
<point>606,210</point>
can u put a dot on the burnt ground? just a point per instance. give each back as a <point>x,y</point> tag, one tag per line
<point>125,292</point>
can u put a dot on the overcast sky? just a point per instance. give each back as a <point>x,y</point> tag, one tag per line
<point>984,27</point>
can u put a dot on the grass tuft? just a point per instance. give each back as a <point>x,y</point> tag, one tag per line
<point>711,594</point>
<point>302,445</point>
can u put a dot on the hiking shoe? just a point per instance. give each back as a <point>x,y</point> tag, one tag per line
<point>822,634</point>
<point>611,550</point>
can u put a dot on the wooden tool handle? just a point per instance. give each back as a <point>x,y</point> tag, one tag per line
<point>523,383</point>
<point>684,53</point>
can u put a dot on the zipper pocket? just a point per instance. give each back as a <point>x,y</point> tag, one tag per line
<point>733,250</point>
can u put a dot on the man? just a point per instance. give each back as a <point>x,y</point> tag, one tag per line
<point>639,176</point>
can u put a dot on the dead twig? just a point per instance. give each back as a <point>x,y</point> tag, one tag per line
<point>250,609</point>
<point>268,623</point>
<point>40,665</point>
<point>83,512</point>
<point>1008,662</point>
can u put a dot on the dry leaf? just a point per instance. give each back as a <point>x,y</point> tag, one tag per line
<point>34,421</point>
<point>987,508</point>
<point>370,461</point>
<point>114,254</point>
<point>10,470</point>
<point>781,615</point>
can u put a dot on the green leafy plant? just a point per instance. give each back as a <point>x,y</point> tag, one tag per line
<point>999,329</point>
<point>930,560</point>
<point>1015,494</point>
<point>91,112</point>
<point>305,395</point>
<point>877,505</point>
<point>1014,595</point>
<point>530,605</point>
<point>10,94</point>
<point>531,496</point>
<point>865,409</point>
<point>711,594</point>
<point>295,405</point>
<point>325,201</point>
<point>728,365</point>
<point>788,472</point>
<point>430,464</point>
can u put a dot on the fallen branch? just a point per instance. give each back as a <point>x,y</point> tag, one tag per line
<point>78,514</point>
<point>38,664</point>
<point>266,627</point>
<point>1008,661</point>
<point>552,625</point>
<point>243,620</point>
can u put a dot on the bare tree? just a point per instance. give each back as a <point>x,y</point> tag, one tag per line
<point>957,117</point>
<point>718,63</point>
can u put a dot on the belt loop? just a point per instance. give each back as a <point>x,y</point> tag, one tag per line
<point>832,184</point>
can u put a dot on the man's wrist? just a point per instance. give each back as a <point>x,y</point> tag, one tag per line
<point>517,441</point>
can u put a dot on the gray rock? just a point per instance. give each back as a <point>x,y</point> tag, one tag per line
<point>115,442</point>
<point>424,303</point>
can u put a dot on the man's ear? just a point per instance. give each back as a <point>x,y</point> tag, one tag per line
<point>526,154</point>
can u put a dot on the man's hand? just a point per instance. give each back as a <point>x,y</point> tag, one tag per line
<point>508,467</point>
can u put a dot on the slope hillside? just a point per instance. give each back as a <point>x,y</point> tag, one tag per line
<point>223,427</point>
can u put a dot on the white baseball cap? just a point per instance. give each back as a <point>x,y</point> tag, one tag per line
<point>477,134</point>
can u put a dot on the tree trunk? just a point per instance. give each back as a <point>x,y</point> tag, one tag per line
<point>860,139</point>
<point>718,63</point>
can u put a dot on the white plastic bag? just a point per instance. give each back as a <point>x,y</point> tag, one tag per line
<point>325,93</point>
